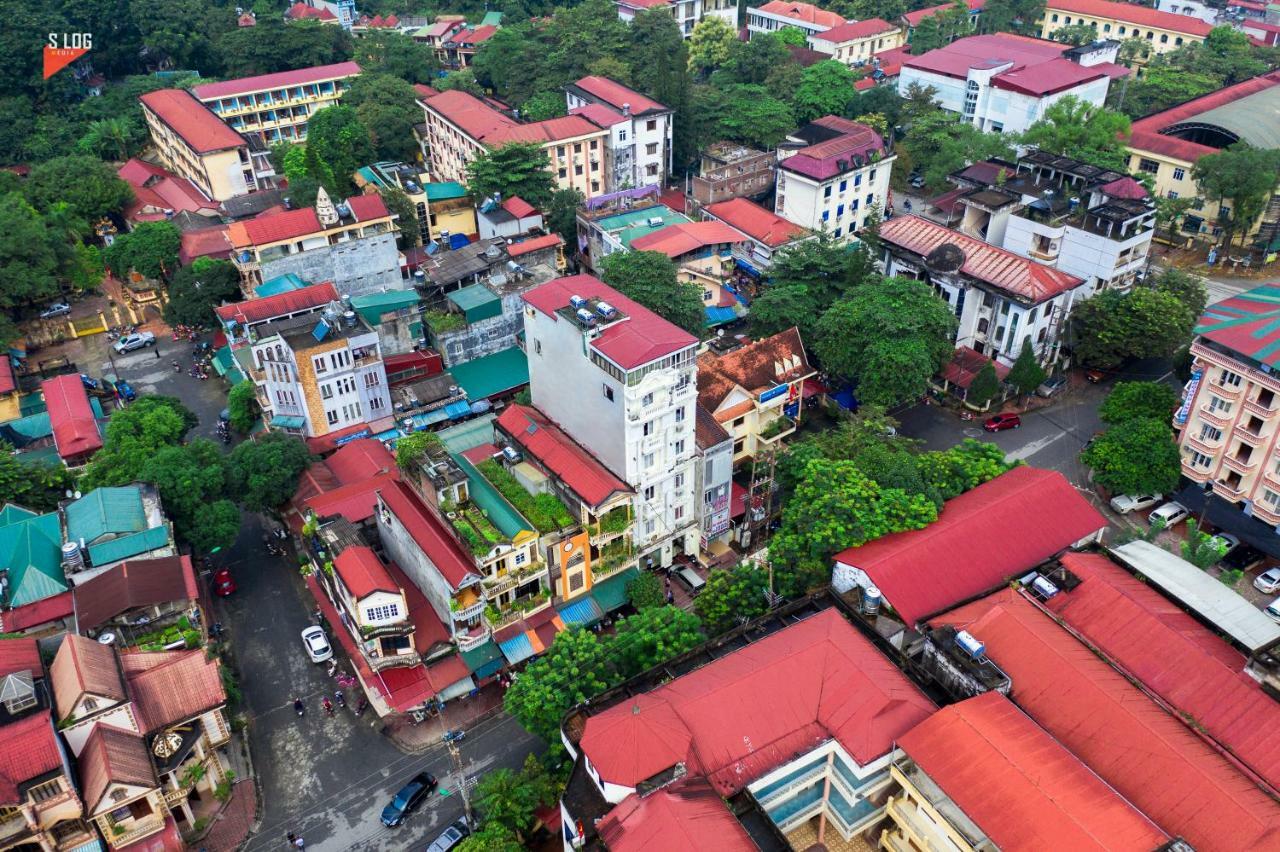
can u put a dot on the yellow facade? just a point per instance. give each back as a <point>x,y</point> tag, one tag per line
<point>1161,40</point>
<point>916,825</point>
<point>214,173</point>
<point>279,113</point>
<point>861,50</point>
<point>456,216</point>
<point>1172,177</point>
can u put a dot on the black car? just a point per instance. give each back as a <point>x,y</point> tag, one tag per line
<point>1242,557</point>
<point>407,800</point>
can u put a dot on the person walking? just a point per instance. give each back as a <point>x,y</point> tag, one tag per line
<point>300,843</point>
<point>291,838</point>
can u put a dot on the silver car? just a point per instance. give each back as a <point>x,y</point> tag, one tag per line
<point>130,342</point>
<point>1268,581</point>
<point>1126,503</point>
<point>57,309</point>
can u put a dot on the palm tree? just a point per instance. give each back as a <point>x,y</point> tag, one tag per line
<point>112,134</point>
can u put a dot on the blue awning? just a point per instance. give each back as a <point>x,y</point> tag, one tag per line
<point>517,649</point>
<point>584,611</point>
<point>286,421</point>
<point>719,316</point>
<point>746,267</point>
<point>454,410</point>
<point>422,421</point>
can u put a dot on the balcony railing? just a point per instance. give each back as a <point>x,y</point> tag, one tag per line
<point>1255,407</point>
<point>1240,465</point>
<point>471,639</point>
<point>1262,513</point>
<point>1225,390</point>
<point>393,661</point>
<point>470,612</point>
<point>143,829</point>
<point>1046,256</point>
<point>1197,474</point>
<point>1213,417</point>
<point>1231,492</point>
<point>1248,436</point>
<point>777,429</point>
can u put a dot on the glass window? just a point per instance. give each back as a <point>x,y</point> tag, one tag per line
<point>1178,174</point>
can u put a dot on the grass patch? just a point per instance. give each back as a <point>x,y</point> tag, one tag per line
<point>544,511</point>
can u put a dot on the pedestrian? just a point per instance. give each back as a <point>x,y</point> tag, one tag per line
<point>671,596</point>
<point>157,354</point>
<point>291,837</point>
<point>300,843</point>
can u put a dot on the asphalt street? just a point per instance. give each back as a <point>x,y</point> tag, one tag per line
<point>328,778</point>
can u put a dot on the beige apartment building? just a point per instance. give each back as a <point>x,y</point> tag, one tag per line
<point>275,107</point>
<point>1163,31</point>
<point>460,126</point>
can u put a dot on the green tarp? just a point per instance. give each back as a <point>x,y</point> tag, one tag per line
<point>612,593</point>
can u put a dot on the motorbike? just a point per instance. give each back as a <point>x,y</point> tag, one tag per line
<point>341,698</point>
<point>299,707</point>
<point>327,705</point>
<point>454,736</point>
<point>177,368</point>
<point>362,706</point>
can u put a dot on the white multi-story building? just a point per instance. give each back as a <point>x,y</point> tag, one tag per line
<point>780,14</point>
<point>640,129</point>
<point>619,380</point>
<point>1004,83</point>
<point>688,13</point>
<point>831,175</point>
<point>856,42</point>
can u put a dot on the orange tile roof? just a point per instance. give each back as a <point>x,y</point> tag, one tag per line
<point>756,222</point>
<point>806,12</point>
<point>84,666</point>
<point>753,367</point>
<point>678,240</point>
<point>111,755</point>
<point>192,121</point>
<point>169,687</point>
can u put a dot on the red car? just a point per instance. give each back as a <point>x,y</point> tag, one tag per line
<point>223,585</point>
<point>1094,376</point>
<point>1001,422</point>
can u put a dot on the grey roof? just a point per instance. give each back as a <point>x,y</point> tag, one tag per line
<point>244,206</point>
<point>1198,591</point>
<point>1254,118</point>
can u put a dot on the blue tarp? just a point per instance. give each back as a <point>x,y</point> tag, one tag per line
<point>746,267</point>
<point>517,649</point>
<point>719,316</point>
<point>455,410</point>
<point>457,241</point>
<point>584,611</point>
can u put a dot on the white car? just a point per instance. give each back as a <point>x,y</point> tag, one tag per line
<point>1272,610</point>
<point>1172,513</point>
<point>317,644</point>
<point>1126,503</point>
<point>57,309</point>
<point>1268,581</point>
<point>130,342</point>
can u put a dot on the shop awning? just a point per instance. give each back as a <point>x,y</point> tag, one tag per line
<point>458,409</point>
<point>456,689</point>
<point>746,267</point>
<point>422,421</point>
<point>517,649</point>
<point>584,611</point>
<point>286,421</point>
<point>612,593</point>
<point>484,661</point>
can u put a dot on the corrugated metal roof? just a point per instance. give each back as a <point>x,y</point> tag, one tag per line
<point>106,511</point>
<point>1220,605</point>
<point>492,374</point>
<point>134,544</point>
<point>1247,323</point>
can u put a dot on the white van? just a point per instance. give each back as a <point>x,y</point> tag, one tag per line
<point>691,579</point>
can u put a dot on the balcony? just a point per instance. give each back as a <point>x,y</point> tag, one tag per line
<point>1230,492</point>
<point>1195,474</point>
<point>518,609</point>
<point>1228,391</point>
<point>395,628</point>
<point>1241,465</point>
<point>777,429</point>
<point>1253,406</point>
<point>612,559</point>
<point>465,613</point>
<point>1262,513</point>
<point>12,826</point>
<point>1046,256</point>
<point>1213,417</point>
<point>470,638</point>
<point>392,661</point>
<point>1206,444</point>
<point>134,831</point>
<point>1253,439</point>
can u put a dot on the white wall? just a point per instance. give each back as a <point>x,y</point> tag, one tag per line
<point>805,200</point>
<point>406,553</point>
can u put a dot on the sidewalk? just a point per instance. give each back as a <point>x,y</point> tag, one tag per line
<point>459,714</point>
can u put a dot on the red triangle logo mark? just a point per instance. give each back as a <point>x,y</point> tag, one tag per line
<point>57,58</point>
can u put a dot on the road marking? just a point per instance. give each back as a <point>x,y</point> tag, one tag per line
<point>1028,450</point>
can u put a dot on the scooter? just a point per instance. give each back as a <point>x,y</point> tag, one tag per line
<point>299,707</point>
<point>341,698</point>
<point>327,705</point>
<point>454,736</point>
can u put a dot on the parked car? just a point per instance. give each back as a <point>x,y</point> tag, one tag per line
<point>88,381</point>
<point>1051,385</point>
<point>1268,581</point>
<point>1126,503</point>
<point>1227,539</point>
<point>317,644</point>
<point>1094,376</point>
<point>451,836</point>
<point>125,391</point>
<point>223,584</point>
<point>1000,422</point>
<point>1273,610</point>
<point>690,579</point>
<point>57,309</point>
<point>1243,558</point>
<point>130,342</point>
<point>406,801</point>
<point>1171,513</point>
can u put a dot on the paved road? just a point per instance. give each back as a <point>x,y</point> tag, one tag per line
<point>327,779</point>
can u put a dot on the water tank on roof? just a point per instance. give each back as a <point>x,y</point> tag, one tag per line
<point>970,645</point>
<point>654,221</point>
<point>349,319</point>
<point>578,302</point>
<point>1044,587</point>
<point>72,558</point>
<point>512,455</point>
<point>606,310</point>
<point>586,317</point>
<point>344,210</point>
<point>871,600</point>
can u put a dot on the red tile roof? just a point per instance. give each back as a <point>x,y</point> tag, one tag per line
<point>1146,135</point>
<point>366,208</point>
<point>1125,187</point>
<point>1132,14</point>
<point>281,304</point>
<point>154,187</point>
<point>346,483</point>
<point>301,11</point>
<point>913,19</point>
<point>965,365</point>
<point>489,127</point>
<point>1019,785</point>
<point>275,227</point>
<point>853,30</point>
<point>560,454</point>
<point>1147,755</point>
<point>678,240</point>
<point>1034,515</point>
<point>111,755</point>
<point>18,655</point>
<point>83,666</point>
<point>518,207</point>
<point>28,750</point>
<point>687,815</point>
<point>361,459</point>
<point>746,713</point>
<point>132,584</point>
<point>168,687</point>
<point>363,573</point>
<point>192,121</point>
<point>471,37</point>
<point>618,96</point>
<point>425,91</point>
<point>534,244</point>
<point>206,242</point>
<point>756,367</point>
<point>551,130</point>
<point>832,157</point>
<point>428,532</point>
<point>1019,276</point>
<point>806,12</point>
<point>36,614</point>
<point>599,115</point>
<point>1036,65</point>
<point>1174,656</point>
<point>1047,78</point>
<point>263,82</point>
<point>8,384</point>
<point>756,222</point>
<point>75,431</point>
<point>355,502</point>
<point>633,342</point>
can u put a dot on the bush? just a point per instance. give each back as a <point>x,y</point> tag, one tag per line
<point>544,511</point>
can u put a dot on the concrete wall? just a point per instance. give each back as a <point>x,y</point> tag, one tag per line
<point>356,267</point>
<point>484,337</point>
<point>404,551</point>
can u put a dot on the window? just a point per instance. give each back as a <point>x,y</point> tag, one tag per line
<point>564,173</point>
<point>836,233</point>
<point>577,170</point>
<point>737,446</point>
<point>1210,433</point>
<point>1230,379</point>
<point>826,192</point>
<point>594,144</point>
<point>679,480</point>
<point>648,493</point>
<point>646,460</point>
<point>839,211</point>
<point>680,414</point>
<point>1271,498</point>
<point>739,422</point>
<point>559,150</point>
<point>1217,405</point>
<point>382,613</point>
<point>372,380</point>
<point>1055,17</point>
<point>608,393</point>
<point>320,365</point>
<point>651,124</point>
<point>647,399</point>
<point>871,198</point>
<point>521,558</point>
<point>576,580</point>
<point>844,184</point>
<point>1172,194</point>
<point>647,429</point>
<point>332,417</point>
<point>1164,38</point>
<point>679,512</point>
<point>871,175</point>
<point>678,448</point>
<point>1178,174</point>
<point>622,136</point>
<point>651,149</point>
<point>1200,459</point>
<point>826,215</point>
<point>1149,166</point>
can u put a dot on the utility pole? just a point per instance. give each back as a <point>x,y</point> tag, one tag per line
<point>456,757</point>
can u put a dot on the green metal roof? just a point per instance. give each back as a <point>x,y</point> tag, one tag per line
<point>280,284</point>
<point>372,306</point>
<point>492,374</point>
<point>11,513</point>
<point>444,191</point>
<point>125,546</point>
<point>31,552</point>
<point>41,455</point>
<point>224,362</point>
<point>469,435</point>
<point>32,403</point>
<point>33,426</point>
<point>634,224</point>
<point>485,660</point>
<point>491,19</point>
<point>612,593</point>
<point>495,507</point>
<point>477,302</point>
<point>106,511</point>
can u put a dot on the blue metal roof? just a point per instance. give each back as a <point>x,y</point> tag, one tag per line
<point>461,408</point>
<point>584,611</point>
<point>517,649</point>
<point>719,316</point>
<point>286,421</point>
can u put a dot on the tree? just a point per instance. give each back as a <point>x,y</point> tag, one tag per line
<point>1187,288</point>
<point>509,798</point>
<point>1082,130</point>
<point>133,436</point>
<point>791,36</point>
<point>746,114</point>
<point>1242,177</point>
<point>731,597</point>
<point>1169,213</point>
<point>492,837</point>
<point>242,407</point>
<point>31,485</point>
<point>265,471</point>
<point>751,61</point>
<point>1200,548</point>
<point>645,591</point>
<point>950,473</point>
<point>570,673</point>
<point>1026,374</point>
<point>984,386</point>
<point>941,142</point>
<point>825,267</point>
<point>649,277</point>
<point>658,58</point>
<point>1111,327</point>
<point>150,249</point>
<point>1130,400</point>
<point>562,214</point>
<point>386,106</point>
<point>337,137</point>
<point>88,185</point>
<point>652,636</point>
<point>520,168</point>
<point>1162,86</point>
<point>413,448</point>
<point>889,338</point>
<point>1136,456</point>
<point>1016,16</point>
<point>544,105</point>
<point>782,306</point>
<point>28,260</point>
<point>1075,34</point>
<point>825,89</point>
<point>190,478</point>
<point>390,52</point>
<point>710,45</point>
<point>197,289</point>
<point>941,28</point>
<point>1134,49</point>
<point>116,138</point>
<point>407,224</point>
<point>273,46</point>
<point>216,527</point>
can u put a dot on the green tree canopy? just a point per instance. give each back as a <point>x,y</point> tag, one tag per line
<point>396,54</point>
<point>1076,34</point>
<point>414,447</point>
<point>509,798</point>
<point>544,105</point>
<point>338,138</point>
<point>984,386</point>
<point>150,249</point>
<point>941,28</point>
<point>941,142</point>
<point>825,89</point>
<point>90,186</point>
<point>710,45</point>
<point>1161,86</point>
<point>1082,130</point>
<point>1130,400</point>
<point>386,106</point>
<point>1026,374</point>
<point>1135,456</point>
<point>520,168</point>
<point>649,277</point>
<point>28,257</point>
<point>242,407</point>
<point>645,591</point>
<point>32,485</point>
<point>741,113</point>
<point>1012,16</point>
<point>264,472</point>
<point>732,596</point>
<point>1112,326</point>
<point>573,670</point>
<point>197,289</point>
<point>273,46</point>
<point>1242,178</point>
<point>652,635</point>
<point>562,214</point>
<point>135,434</point>
<point>191,478</point>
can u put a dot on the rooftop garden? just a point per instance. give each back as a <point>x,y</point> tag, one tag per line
<point>442,322</point>
<point>615,520</point>
<point>475,528</point>
<point>544,511</point>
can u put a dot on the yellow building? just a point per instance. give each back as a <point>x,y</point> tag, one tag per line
<point>193,142</point>
<point>1164,31</point>
<point>449,210</point>
<point>856,42</point>
<point>276,107</point>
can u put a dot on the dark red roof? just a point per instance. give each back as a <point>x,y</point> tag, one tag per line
<point>599,115</point>
<point>518,207</point>
<point>835,156</point>
<point>1019,785</point>
<point>363,573</point>
<point>361,459</point>
<point>429,533</point>
<point>687,815</point>
<point>534,244</point>
<point>913,19</point>
<point>642,338</point>
<point>965,365</point>
<point>355,502</point>
<point>1174,656</point>
<point>998,530</point>
<point>273,227</point>
<point>75,431</point>
<point>18,655</point>
<point>1146,134</point>
<point>1125,187</point>
<point>262,82</point>
<point>852,30</point>
<point>750,711</point>
<point>1152,758</point>
<point>154,187</point>
<point>756,222</point>
<point>806,12</point>
<point>7,382</point>
<point>28,750</point>
<point>1037,66</point>
<point>132,584</point>
<point>617,95</point>
<point>192,121</point>
<point>36,614</point>
<point>367,207</point>
<point>561,455</point>
<point>206,242</point>
<point>1133,14</point>
<point>281,304</point>
<point>425,91</point>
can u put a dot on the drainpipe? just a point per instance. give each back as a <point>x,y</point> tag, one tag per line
<point>826,794</point>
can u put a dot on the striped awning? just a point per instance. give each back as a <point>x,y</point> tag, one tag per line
<point>517,649</point>
<point>584,611</point>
